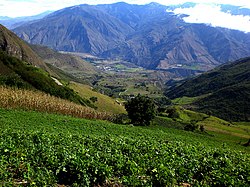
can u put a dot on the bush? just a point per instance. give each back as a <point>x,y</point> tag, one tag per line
<point>93,99</point>
<point>120,119</point>
<point>141,110</point>
<point>190,127</point>
<point>14,80</point>
<point>172,112</point>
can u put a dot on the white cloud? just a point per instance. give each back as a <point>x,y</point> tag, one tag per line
<point>212,15</point>
<point>14,8</point>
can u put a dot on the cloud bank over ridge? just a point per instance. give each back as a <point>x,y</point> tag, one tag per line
<point>212,15</point>
<point>206,11</point>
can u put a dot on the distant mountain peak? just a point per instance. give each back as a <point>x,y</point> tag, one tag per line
<point>121,3</point>
<point>146,35</point>
<point>12,23</point>
<point>4,17</point>
<point>155,4</point>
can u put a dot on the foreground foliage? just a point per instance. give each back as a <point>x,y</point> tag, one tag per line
<point>40,149</point>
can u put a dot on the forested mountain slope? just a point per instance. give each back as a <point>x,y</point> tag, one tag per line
<point>225,91</point>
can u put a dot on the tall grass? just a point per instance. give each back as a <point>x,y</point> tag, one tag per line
<point>12,98</point>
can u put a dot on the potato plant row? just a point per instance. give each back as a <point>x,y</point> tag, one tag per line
<point>57,150</point>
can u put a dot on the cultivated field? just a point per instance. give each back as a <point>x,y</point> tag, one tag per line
<point>40,149</point>
<point>34,100</point>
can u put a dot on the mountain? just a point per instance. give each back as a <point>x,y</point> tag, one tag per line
<point>224,91</point>
<point>76,29</point>
<point>12,23</point>
<point>14,46</point>
<point>146,35</point>
<point>4,18</point>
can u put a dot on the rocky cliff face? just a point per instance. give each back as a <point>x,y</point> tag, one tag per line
<point>146,35</point>
<point>77,29</point>
<point>14,46</point>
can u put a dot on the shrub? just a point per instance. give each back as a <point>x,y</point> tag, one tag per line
<point>172,112</point>
<point>93,99</point>
<point>14,80</point>
<point>120,119</point>
<point>162,102</point>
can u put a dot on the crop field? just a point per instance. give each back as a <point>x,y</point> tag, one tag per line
<point>38,149</point>
<point>12,98</point>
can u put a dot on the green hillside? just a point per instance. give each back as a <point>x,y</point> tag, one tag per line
<point>19,68</point>
<point>180,118</point>
<point>223,92</point>
<point>231,103</point>
<point>50,150</point>
<point>21,71</point>
<point>103,102</point>
<point>71,64</point>
<point>17,73</point>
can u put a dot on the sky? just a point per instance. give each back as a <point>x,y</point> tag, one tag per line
<point>204,12</point>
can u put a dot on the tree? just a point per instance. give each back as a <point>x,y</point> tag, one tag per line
<point>141,110</point>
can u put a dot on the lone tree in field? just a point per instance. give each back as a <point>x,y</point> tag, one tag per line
<point>141,110</point>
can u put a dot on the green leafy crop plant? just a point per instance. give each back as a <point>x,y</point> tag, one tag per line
<point>76,152</point>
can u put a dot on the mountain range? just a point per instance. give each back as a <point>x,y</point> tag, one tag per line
<point>12,23</point>
<point>146,35</point>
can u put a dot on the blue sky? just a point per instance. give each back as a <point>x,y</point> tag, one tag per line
<point>204,12</point>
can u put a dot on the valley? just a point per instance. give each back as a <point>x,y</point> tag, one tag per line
<point>124,95</point>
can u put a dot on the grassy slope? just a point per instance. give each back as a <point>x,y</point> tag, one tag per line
<point>103,103</point>
<point>232,103</point>
<point>218,128</point>
<point>43,149</point>
<point>67,62</point>
<point>19,74</point>
<point>185,100</point>
<point>226,75</point>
